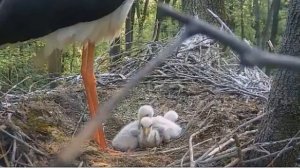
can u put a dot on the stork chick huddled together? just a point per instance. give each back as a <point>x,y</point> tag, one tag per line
<point>148,130</point>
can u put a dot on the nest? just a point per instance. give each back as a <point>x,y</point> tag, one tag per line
<point>219,104</point>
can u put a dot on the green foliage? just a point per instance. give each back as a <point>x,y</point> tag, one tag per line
<point>234,11</point>
<point>16,62</point>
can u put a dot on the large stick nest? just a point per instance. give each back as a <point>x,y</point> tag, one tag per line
<point>203,82</point>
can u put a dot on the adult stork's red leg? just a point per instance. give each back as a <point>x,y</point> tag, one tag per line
<point>87,72</point>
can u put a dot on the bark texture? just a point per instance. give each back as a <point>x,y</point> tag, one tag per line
<point>283,108</point>
<point>199,8</point>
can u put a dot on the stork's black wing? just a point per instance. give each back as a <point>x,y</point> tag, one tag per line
<point>21,20</point>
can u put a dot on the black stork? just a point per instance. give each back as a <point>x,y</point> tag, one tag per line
<point>61,22</point>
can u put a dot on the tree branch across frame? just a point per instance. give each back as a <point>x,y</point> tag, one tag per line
<point>249,56</point>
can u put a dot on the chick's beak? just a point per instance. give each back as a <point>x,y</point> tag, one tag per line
<point>146,131</point>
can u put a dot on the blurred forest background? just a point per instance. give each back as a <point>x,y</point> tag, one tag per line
<point>257,21</point>
<point>221,104</point>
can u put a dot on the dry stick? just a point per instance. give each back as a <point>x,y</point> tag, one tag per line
<point>228,153</point>
<point>238,145</point>
<point>18,160</point>
<point>221,147</point>
<point>277,142</point>
<point>182,159</point>
<point>28,159</point>
<point>4,155</point>
<point>16,128</point>
<point>272,49</point>
<point>233,152</point>
<point>72,150</point>
<point>13,155</point>
<point>78,124</point>
<point>80,164</point>
<point>246,162</point>
<point>159,152</point>
<point>233,149</point>
<point>231,140</point>
<point>186,159</point>
<point>233,163</point>
<point>169,150</point>
<point>15,86</point>
<point>220,21</point>
<point>172,150</point>
<point>229,135</point>
<point>191,150</point>
<point>216,158</point>
<point>23,142</point>
<point>281,152</point>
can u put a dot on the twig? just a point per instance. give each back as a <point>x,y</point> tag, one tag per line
<point>277,142</point>
<point>265,157</point>
<point>24,143</point>
<point>28,160</point>
<point>221,147</point>
<point>229,135</point>
<point>4,155</point>
<point>22,164</point>
<point>234,152</point>
<point>15,86</point>
<point>18,160</point>
<point>272,49</point>
<point>172,150</point>
<point>234,149</point>
<point>80,164</point>
<point>220,21</point>
<point>191,150</point>
<point>216,158</point>
<point>233,163</point>
<point>158,152</point>
<point>282,151</point>
<point>13,154</point>
<point>238,145</point>
<point>78,124</point>
<point>184,158</point>
<point>192,162</point>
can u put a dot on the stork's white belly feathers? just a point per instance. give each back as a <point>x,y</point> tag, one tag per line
<point>103,29</point>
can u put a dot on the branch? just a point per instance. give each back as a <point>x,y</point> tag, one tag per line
<point>248,56</point>
<point>282,151</point>
<point>23,142</point>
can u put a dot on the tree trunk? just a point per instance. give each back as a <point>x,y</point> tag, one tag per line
<point>157,25</point>
<point>266,30</point>
<point>231,17</point>
<point>199,8</point>
<point>283,108</point>
<point>276,7</point>
<point>143,18</point>
<point>55,65</point>
<point>115,50</point>
<point>242,19</point>
<point>129,28</point>
<point>256,11</point>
